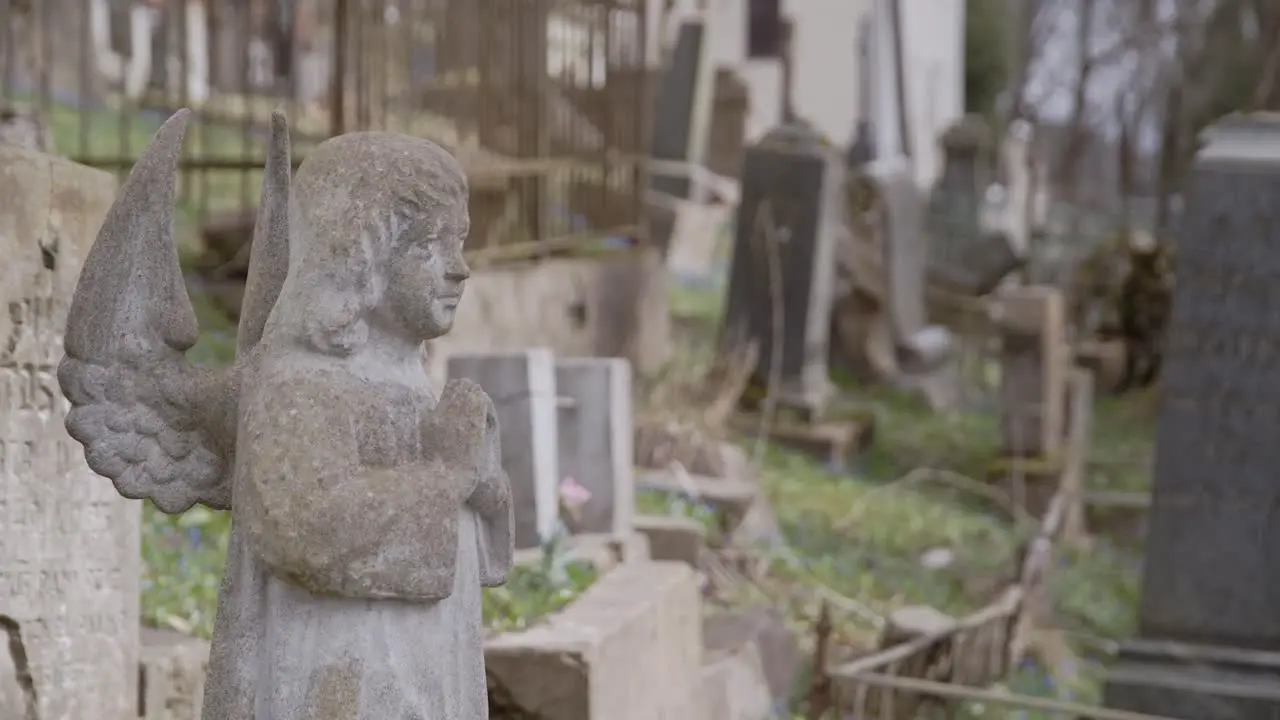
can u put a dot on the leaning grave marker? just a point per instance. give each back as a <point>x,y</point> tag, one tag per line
<point>69,549</point>
<point>1208,645</point>
<point>792,186</point>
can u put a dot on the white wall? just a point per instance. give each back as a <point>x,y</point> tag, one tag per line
<point>933,39</point>
<point>826,75</point>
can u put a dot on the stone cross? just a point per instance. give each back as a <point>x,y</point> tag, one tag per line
<point>523,387</point>
<point>368,510</point>
<point>1208,644</point>
<point>1034,364</point>
<point>68,543</point>
<point>788,224</point>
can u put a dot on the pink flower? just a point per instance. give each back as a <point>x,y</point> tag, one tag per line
<point>572,494</point>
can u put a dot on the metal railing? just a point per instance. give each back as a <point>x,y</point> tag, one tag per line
<point>546,102</point>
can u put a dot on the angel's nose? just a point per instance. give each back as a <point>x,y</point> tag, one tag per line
<point>458,270</point>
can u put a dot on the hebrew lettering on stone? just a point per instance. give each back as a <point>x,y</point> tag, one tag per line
<point>368,510</point>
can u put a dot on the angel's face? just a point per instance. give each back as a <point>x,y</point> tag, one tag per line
<point>427,277</point>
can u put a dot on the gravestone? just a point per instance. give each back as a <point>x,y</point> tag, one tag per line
<point>788,224</point>
<point>1208,645</point>
<point>966,255</point>
<point>595,436</point>
<point>682,109</point>
<point>68,543</point>
<point>523,387</point>
<point>1033,374</point>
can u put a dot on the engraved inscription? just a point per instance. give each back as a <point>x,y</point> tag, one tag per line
<point>66,575</point>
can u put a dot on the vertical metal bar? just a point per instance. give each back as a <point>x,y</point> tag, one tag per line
<point>640,129</point>
<point>184,91</point>
<point>364,87</point>
<point>84,86</point>
<point>44,36</point>
<point>337,83</point>
<point>125,110</point>
<point>7,16</point>
<point>246,120</point>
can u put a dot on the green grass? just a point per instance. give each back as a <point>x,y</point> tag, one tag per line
<point>534,592</point>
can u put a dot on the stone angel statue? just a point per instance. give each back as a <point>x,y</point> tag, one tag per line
<point>367,512</point>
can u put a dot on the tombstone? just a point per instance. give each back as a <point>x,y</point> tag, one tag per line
<point>1208,645</point>
<point>523,387</point>
<point>792,197</point>
<point>682,110</point>
<point>1033,371</point>
<point>69,550</point>
<point>966,255</point>
<point>595,436</point>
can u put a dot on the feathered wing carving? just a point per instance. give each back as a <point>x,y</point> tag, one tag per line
<point>269,255</point>
<point>157,426</point>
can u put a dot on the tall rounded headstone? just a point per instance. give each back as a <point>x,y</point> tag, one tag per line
<point>1208,645</point>
<point>788,224</point>
<point>69,550</point>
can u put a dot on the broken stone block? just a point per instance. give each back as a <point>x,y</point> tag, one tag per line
<point>678,539</point>
<point>630,648</point>
<point>734,687</point>
<point>766,630</point>
<point>172,671</point>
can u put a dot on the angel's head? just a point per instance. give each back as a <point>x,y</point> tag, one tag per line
<point>377,221</point>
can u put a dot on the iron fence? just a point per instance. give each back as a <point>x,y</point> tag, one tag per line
<point>545,102</point>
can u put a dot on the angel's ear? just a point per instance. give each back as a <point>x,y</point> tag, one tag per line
<point>136,243</point>
<point>269,254</point>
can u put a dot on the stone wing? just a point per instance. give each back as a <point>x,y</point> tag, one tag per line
<point>269,253</point>
<point>158,427</point>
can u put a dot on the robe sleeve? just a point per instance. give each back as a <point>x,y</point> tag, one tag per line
<point>320,521</point>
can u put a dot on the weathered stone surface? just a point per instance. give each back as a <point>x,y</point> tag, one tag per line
<point>611,305</point>
<point>523,388</point>
<point>766,630</point>
<point>1209,595</point>
<point>629,649</point>
<point>678,539</point>
<point>1033,370</point>
<point>68,543</point>
<point>595,435</point>
<point>173,669</point>
<point>369,507</point>
<point>734,686</point>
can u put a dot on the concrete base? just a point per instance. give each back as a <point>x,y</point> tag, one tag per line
<point>1194,682</point>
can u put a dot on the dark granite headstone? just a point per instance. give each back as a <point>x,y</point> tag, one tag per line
<point>963,256</point>
<point>1209,622</point>
<point>676,113</point>
<point>794,177</point>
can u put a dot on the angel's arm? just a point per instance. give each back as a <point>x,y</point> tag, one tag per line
<point>322,521</point>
